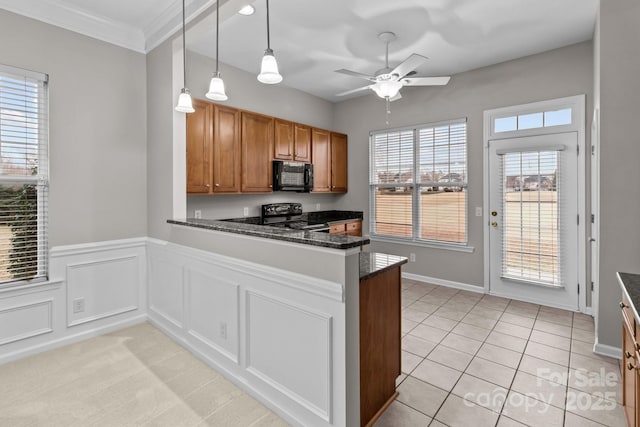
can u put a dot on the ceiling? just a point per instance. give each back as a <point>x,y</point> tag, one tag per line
<point>311,39</point>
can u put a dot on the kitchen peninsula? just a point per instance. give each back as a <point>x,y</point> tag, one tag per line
<point>280,313</point>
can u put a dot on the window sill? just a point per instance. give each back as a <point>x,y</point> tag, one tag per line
<point>432,245</point>
<point>19,287</point>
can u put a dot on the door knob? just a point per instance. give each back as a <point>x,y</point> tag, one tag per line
<point>494,213</point>
<point>494,224</point>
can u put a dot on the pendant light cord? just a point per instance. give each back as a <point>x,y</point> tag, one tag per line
<point>268,37</point>
<point>217,32</point>
<point>184,49</point>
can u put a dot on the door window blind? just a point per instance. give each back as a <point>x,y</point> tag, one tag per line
<point>531,208</point>
<point>418,181</point>
<point>23,175</point>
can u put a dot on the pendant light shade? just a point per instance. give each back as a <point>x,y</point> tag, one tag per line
<point>185,105</point>
<point>216,85</point>
<point>216,89</point>
<point>269,69</point>
<point>269,73</point>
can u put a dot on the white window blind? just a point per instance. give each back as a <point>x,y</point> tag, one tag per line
<point>531,208</point>
<point>24,175</point>
<point>418,183</point>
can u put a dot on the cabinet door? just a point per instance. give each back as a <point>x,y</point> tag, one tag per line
<point>226,150</point>
<point>338,163</point>
<point>302,143</point>
<point>199,135</point>
<point>284,140</point>
<point>257,153</point>
<point>321,156</point>
<point>629,376</point>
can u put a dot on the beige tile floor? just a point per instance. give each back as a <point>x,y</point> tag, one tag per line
<point>133,377</point>
<point>476,360</point>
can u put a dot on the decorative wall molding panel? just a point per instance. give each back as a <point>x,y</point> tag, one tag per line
<point>93,288</point>
<point>240,316</point>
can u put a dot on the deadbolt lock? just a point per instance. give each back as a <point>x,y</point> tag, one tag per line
<point>494,213</point>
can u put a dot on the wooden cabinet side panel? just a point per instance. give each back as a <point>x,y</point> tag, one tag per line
<point>257,153</point>
<point>380,351</point>
<point>199,135</point>
<point>302,143</point>
<point>283,140</point>
<point>321,157</point>
<point>339,163</point>
<point>226,150</point>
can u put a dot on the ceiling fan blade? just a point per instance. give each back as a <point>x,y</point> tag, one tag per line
<point>426,81</point>
<point>349,92</point>
<point>395,98</point>
<point>356,74</point>
<point>409,64</point>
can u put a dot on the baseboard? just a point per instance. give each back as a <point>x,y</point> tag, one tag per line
<point>607,350</point>
<point>446,283</point>
<point>70,339</point>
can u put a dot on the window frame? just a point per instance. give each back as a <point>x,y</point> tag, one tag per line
<point>416,187</point>
<point>39,180</point>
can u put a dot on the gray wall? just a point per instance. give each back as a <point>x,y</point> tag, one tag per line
<point>97,125</point>
<point>619,69</point>
<point>554,74</point>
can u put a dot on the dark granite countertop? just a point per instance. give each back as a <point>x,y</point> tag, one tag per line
<point>374,263</point>
<point>630,284</point>
<point>313,238</point>
<point>320,217</point>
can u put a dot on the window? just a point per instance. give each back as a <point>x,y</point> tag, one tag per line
<point>418,183</point>
<point>23,175</point>
<point>533,120</point>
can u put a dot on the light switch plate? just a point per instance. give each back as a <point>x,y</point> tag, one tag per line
<point>478,211</point>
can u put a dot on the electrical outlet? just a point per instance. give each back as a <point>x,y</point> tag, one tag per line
<point>245,211</point>
<point>223,330</point>
<point>317,206</point>
<point>198,214</point>
<point>412,257</point>
<point>78,305</point>
<point>478,211</point>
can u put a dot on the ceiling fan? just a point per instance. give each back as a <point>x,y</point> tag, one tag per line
<point>387,82</point>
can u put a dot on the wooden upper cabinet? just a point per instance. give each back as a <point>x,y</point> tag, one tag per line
<point>301,143</point>
<point>321,155</point>
<point>292,141</point>
<point>226,150</point>
<point>199,146</point>
<point>338,162</point>
<point>257,152</point>
<point>284,140</point>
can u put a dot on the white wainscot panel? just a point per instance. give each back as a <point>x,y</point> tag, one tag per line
<point>107,287</point>
<point>212,312</point>
<point>165,290</point>
<point>25,321</point>
<point>289,347</point>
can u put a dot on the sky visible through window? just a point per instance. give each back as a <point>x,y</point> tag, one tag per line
<point>533,120</point>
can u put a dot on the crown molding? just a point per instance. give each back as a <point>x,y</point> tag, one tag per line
<point>143,40</point>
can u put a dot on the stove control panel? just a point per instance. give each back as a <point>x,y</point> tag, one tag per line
<point>281,209</point>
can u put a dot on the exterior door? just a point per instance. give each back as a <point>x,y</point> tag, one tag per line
<point>533,233</point>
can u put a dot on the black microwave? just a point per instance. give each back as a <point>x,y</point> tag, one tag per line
<point>292,176</point>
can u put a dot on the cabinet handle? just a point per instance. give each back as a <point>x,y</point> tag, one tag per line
<point>622,305</point>
<point>630,366</point>
<point>217,185</point>
<point>628,355</point>
<point>207,185</point>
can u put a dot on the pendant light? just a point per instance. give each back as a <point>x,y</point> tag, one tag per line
<point>216,86</point>
<point>269,69</point>
<point>185,105</point>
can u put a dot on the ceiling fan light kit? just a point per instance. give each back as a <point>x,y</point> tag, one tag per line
<point>387,89</point>
<point>269,73</point>
<point>185,105</point>
<point>216,85</point>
